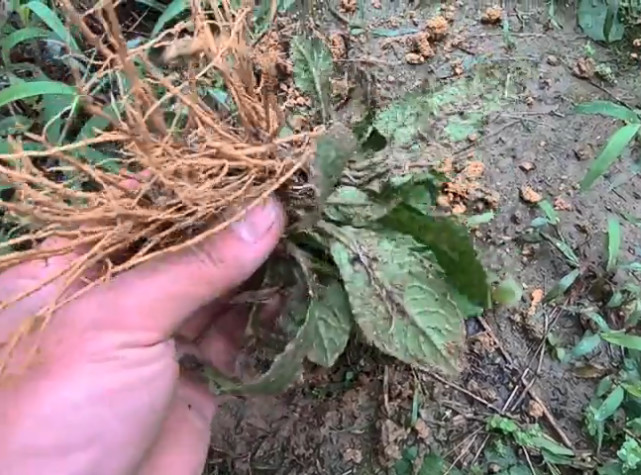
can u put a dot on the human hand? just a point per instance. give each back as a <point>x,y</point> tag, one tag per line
<point>104,395</point>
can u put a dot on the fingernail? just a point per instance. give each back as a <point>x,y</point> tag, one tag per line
<point>257,222</point>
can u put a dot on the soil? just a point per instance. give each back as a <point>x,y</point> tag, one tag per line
<point>503,100</point>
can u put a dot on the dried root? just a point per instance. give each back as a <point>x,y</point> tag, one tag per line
<point>204,165</point>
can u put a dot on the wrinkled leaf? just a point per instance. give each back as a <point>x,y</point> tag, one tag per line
<point>614,242</point>
<point>330,322</point>
<point>349,204</point>
<point>610,109</point>
<point>398,305</point>
<point>508,293</point>
<point>617,142</point>
<point>610,405</point>
<point>313,67</point>
<point>562,285</point>
<point>587,345</point>
<point>632,342</point>
<point>451,245</point>
<point>333,151</point>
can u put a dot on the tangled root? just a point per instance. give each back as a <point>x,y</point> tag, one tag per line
<point>206,165</point>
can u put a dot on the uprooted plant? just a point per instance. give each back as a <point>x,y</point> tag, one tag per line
<point>368,253</point>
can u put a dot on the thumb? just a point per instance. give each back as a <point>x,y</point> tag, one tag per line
<point>161,294</point>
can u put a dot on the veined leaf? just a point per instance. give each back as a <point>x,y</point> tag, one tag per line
<point>330,322</point>
<point>17,37</point>
<point>609,109</point>
<point>175,8</point>
<point>50,19</point>
<point>398,305</point>
<point>25,90</point>
<point>612,150</point>
<point>351,205</point>
<point>620,338</point>
<point>614,242</point>
<point>313,67</point>
<point>610,405</point>
<point>333,151</point>
<point>451,245</point>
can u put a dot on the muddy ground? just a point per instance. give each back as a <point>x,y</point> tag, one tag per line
<point>504,99</point>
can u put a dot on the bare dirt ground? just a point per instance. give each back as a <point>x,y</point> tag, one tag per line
<point>503,98</point>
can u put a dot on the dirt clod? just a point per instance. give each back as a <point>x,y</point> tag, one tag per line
<point>474,169</point>
<point>348,6</point>
<point>353,455</point>
<point>584,68</point>
<point>392,435</point>
<point>437,27</point>
<point>527,166</point>
<point>420,44</point>
<point>422,429</point>
<point>529,195</point>
<point>553,60</point>
<point>337,46</point>
<point>414,58</point>
<point>534,409</point>
<point>584,152</point>
<point>536,299</point>
<point>492,16</point>
<point>561,205</point>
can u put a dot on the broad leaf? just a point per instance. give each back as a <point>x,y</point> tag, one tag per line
<point>587,345</point>
<point>330,324</point>
<point>451,245</point>
<point>614,242</point>
<point>562,285</point>
<point>333,151</point>
<point>351,205</point>
<point>313,67</point>
<point>508,293</point>
<point>632,342</point>
<point>54,107</point>
<point>599,19</point>
<point>610,109</point>
<point>398,305</point>
<point>612,150</point>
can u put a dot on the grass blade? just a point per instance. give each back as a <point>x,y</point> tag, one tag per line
<point>612,150</point>
<point>550,213</point>
<point>620,338</point>
<point>17,37</point>
<point>610,405</point>
<point>609,109</point>
<point>175,8</point>
<point>587,345</point>
<point>52,21</point>
<point>33,89</point>
<point>563,285</point>
<point>614,242</point>
<point>564,248</point>
<point>153,4</point>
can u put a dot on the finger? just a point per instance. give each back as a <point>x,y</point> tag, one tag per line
<point>192,328</point>
<point>183,441</point>
<point>158,296</point>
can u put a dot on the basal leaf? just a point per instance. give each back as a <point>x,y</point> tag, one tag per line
<point>632,342</point>
<point>398,305</point>
<point>610,405</point>
<point>612,150</point>
<point>330,324</point>
<point>175,8</point>
<point>351,205</point>
<point>333,151</point>
<point>609,109</point>
<point>313,67</point>
<point>614,242</point>
<point>451,245</point>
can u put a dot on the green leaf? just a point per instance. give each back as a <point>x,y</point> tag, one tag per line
<point>633,389</point>
<point>19,36</point>
<point>562,285</point>
<point>25,90</point>
<point>50,19</point>
<point>550,213</point>
<point>478,219</point>
<point>564,248</point>
<point>333,151</point>
<point>508,293</point>
<point>330,322</point>
<point>614,242</point>
<point>609,109</point>
<point>451,245</point>
<point>610,405</point>
<point>15,124</point>
<point>53,107</point>
<point>587,345</point>
<point>433,464</point>
<point>175,8</point>
<point>398,304</point>
<point>599,20</point>
<point>351,205</point>
<point>158,6</point>
<point>313,67</point>
<point>620,338</point>
<point>615,146</point>
<point>598,320</point>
